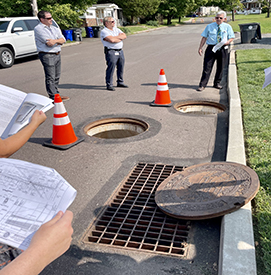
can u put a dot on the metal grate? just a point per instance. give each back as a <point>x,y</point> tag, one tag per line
<point>132,219</point>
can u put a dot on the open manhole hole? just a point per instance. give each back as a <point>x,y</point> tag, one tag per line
<point>132,220</point>
<point>116,128</point>
<point>199,107</point>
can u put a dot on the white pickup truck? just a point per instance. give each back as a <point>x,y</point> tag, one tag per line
<point>17,39</point>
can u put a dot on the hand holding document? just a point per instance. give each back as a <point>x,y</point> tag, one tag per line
<point>220,44</point>
<point>30,195</point>
<point>17,108</point>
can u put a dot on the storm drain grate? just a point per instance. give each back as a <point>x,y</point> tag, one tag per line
<point>132,219</point>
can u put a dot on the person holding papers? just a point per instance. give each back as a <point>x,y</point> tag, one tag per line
<point>217,35</point>
<point>52,239</point>
<point>13,143</point>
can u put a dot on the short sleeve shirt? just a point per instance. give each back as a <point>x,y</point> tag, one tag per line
<point>107,32</point>
<point>210,32</point>
<point>42,33</point>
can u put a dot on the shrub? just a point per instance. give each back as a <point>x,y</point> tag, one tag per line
<point>153,23</point>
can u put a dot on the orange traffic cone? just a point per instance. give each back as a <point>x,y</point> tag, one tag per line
<point>63,134</point>
<point>162,94</point>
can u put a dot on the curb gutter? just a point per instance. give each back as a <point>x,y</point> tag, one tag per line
<point>237,250</point>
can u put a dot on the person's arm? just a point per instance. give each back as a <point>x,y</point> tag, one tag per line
<point>202,42</point>
<point>116,39</point>
<point>52,42</point>
<point>50,241</point>
<point>13,143</point>
<point>229,41</point>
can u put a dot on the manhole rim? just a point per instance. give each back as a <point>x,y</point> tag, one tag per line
<point>118,120</point>
<point>154,127</point>
<point>210,103</point>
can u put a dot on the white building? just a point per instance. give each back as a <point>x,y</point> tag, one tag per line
<point>250,7</point>
<point>94,15</point>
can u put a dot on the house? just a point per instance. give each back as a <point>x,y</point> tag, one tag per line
<point>94,15</point>
<point>206,11</point>
<point>250,7</point>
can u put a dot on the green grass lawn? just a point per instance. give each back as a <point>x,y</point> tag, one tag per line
<point>256,107</point>
<point>265,22</point>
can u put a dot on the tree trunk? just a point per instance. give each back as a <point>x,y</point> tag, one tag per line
<point>232,15</point>
<point>268,10</point>
<point>34,6</point>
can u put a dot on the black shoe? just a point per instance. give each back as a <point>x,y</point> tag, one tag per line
<point>109,88</point>
<point>122,85</point>
<point>200,89</point>
<point>218,86</point>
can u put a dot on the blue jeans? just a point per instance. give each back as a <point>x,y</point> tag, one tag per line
<point>113,59</point>
<point>52,68</point>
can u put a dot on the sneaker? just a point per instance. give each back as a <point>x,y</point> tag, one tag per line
<point>109,88</point>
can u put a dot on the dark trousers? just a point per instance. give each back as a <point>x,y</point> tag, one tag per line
<point>114,59</point>
<point>52,68</point>
<point>221,57</point>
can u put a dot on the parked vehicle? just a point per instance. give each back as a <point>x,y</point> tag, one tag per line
<point>17,39</point>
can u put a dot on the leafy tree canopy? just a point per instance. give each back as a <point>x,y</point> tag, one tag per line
<point>138,8</point>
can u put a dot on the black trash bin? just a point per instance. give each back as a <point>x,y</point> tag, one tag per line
<point>250,32</point>
<point>96,31</point>
<point>77,34</point>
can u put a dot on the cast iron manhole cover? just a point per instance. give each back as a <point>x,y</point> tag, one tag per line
<point>207,190</point>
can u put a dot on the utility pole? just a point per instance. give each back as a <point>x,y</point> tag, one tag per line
<point>34,6</point>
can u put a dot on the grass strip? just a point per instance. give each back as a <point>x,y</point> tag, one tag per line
<point>256,106</point>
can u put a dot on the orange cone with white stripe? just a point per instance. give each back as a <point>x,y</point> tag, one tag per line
<point>63,134</point>
<point>162,97</point>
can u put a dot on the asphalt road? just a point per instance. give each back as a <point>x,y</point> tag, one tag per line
<point>96,167</point>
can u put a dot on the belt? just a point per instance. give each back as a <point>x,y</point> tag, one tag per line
<point>118,50</point>
<point>57,53</point>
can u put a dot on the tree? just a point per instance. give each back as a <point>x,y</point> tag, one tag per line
<point>138,8</point>
<point>14,8</point>
<point>227,5</point>
<point>64,15</point>
<point>178,8</point>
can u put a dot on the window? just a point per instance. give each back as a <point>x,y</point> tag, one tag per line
<point>20,23</point>
<point>31,24</point>
<point>3,26</point>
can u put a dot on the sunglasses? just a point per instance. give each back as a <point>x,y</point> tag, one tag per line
<point>48,18</point>
<point>219,17</point>
<point>112,21</point>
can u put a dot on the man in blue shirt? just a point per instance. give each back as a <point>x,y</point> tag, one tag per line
<point>217,35</point>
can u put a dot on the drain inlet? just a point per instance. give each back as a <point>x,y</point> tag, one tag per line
<point>132,219</point>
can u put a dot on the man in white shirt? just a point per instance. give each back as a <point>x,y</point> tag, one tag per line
<point>112,39</point>
<point>48,41</point>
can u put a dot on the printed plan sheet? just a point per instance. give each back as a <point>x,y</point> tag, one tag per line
<point>30,195</point>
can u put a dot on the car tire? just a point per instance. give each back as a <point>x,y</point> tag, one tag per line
<point>6,57</point>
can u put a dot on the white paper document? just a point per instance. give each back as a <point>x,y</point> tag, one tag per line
<point>220,44</point>
<point>30,195</point>
<point>267,73</point>
<point>17,108</point>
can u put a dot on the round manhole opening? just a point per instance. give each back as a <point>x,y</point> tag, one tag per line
<point>115,128</point>
<point>200,107</point>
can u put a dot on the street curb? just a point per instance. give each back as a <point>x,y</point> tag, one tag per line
<point>237,250</point>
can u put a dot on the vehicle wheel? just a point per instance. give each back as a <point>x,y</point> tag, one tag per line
<point>6,57</point>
